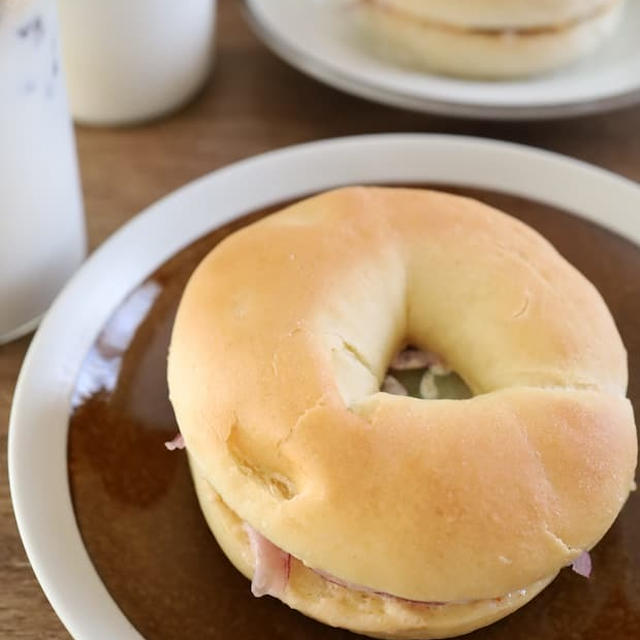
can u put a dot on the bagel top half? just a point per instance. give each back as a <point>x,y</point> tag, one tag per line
<point>283,336</point>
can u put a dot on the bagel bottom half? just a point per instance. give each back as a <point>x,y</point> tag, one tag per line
<point>372,614</point>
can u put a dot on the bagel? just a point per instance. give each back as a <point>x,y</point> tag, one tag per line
<point>488,38</point>
<point>389,515</point>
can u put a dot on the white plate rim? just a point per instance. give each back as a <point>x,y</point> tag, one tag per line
<point>316,67</point>
<point>43,506</point>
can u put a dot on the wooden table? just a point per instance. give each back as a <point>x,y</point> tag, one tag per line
<point>253,102</point>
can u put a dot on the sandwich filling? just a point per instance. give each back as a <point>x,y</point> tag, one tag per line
<point>423,374</point>
<point>272,567</point>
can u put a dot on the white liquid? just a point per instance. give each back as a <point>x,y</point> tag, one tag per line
<point>131,60</point>
<point>42,234</point>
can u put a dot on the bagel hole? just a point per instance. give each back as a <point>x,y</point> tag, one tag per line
<point>420,373</point>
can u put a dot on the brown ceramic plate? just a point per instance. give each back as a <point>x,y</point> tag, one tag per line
<point>138,515</point>
<point>141,523</point>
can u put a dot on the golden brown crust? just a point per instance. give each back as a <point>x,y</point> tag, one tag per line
<point>282,338</point>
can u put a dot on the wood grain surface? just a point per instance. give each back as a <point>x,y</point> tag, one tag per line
<point>252,103</point>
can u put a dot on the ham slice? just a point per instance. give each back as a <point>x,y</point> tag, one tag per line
<point>358,587</point>
<point>414,359</point>
<point>272,565</point>
<point>176,443</point>
<point>582,564</point>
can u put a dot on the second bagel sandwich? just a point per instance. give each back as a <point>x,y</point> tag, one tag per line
<point>488,38</point>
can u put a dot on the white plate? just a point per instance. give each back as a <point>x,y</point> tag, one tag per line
<point>39,416</point>
<point>316,37</point>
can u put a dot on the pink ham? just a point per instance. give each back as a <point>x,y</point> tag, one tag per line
<point>414,359</point>
<point>176,443</point>
<point>358,587</point>
<point>272,565</point>
<point>582,564</point>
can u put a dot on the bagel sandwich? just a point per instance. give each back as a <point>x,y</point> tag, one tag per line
<point>489,39</point>
<point>363,507</point>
